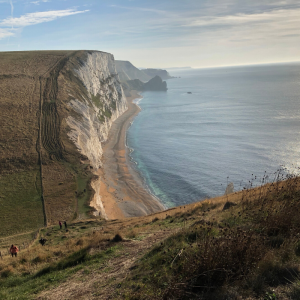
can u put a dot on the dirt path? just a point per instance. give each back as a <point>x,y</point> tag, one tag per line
<point>99,284</point>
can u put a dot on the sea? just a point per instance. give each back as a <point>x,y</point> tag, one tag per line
<point>217,126</point>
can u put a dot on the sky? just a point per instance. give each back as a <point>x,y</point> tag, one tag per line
<point>158,33</point>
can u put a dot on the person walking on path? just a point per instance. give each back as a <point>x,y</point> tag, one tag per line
<point>13,250</point>
<point>60,225</point>
<point>65,223</point>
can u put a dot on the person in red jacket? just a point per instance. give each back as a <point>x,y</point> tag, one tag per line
<point>13,250</point>
<point>60,224</point>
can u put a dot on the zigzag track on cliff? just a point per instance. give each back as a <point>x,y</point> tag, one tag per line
<point>49,121</point>
<point>50,117</point>
<point>51,131</point>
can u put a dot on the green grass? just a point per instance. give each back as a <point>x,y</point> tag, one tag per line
<point>83,196</point>
<point>81,187</point>
<point>103,112</point>
<point>18,240</point>
<point>114,105</point>
<point>20,199</point>
<point>28,286</point>
<point>96,100</point>
<point>107,113</point>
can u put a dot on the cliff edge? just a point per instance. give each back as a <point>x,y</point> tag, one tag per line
<point>56,108</point>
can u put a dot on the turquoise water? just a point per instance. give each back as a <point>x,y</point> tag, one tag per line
<point>238,123</point>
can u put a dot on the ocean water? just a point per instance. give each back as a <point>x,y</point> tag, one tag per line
<point>238,125</point>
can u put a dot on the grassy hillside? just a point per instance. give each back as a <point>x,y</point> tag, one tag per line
<point>200,251</point>
<point>41,177</point>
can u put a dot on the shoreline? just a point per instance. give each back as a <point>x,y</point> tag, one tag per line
<point>122,189</point>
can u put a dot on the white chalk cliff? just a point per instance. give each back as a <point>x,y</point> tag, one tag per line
<point>105,104</point>
<point>95,113</point>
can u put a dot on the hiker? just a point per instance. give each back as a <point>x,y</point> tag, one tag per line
<point>60,224</point>
<point>42,241</point>
<point>65,223</point>
<point>13,250</point>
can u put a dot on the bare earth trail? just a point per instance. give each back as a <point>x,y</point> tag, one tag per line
<point>122,189</point>
<point>98,283</point>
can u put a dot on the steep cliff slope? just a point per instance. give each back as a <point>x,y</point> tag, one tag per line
<point>56,108</point>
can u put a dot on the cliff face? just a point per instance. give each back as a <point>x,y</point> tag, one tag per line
<point>127,71</point>
<point>104,103</point>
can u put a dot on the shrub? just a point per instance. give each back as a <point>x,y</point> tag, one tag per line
<point>117,238</point>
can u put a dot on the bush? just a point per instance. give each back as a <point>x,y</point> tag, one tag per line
<point>273,273</point>
<point>117,238</point>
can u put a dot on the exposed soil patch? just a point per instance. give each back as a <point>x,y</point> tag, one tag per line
<point>101,283</point>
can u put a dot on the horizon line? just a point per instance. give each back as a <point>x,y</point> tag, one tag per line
<point>239,65</point>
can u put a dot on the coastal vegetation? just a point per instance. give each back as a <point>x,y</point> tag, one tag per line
<point>201,251</point>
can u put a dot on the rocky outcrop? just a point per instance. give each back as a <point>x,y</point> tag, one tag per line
<point>154,84</point>
<point>163,74</point>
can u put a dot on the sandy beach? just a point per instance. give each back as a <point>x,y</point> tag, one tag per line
<point>121,188</point>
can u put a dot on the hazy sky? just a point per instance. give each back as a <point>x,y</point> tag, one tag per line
<point>158,33</point>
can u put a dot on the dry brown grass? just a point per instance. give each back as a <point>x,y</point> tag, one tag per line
<point>249,248</point>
